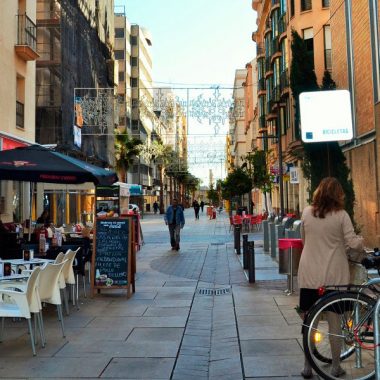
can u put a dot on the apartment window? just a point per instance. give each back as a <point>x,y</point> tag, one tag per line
<point>134,82</point>
<point>133,40</point>
<point>284,54</point>
<point>305,5</point>
<point>327,43</point>
<point>121,76</point>
<point>133,61</point>
<point>20,101</point>
<point>325,3</point>
<point>283,7</point>
<point>291,8</point>
<point>308,37</point>
<point>119,54</point>
<point>119,32</point>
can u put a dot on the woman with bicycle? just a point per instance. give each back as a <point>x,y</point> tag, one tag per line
<point>327,233</point>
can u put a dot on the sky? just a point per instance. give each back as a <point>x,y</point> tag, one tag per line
<point>197,43</point>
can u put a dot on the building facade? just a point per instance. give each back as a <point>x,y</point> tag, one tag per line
<point>280,135</point>
<point>17,107</point>
<point>355,67</point>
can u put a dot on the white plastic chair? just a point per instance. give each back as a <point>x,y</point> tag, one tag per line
<point>49,290</point>
<point>60,257</point>
<point>68,274</point>
<point>22,304</point>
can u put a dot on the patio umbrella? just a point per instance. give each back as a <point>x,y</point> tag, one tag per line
<point>36,163</point>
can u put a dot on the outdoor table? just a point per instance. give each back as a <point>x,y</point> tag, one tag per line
<point>13,277</point>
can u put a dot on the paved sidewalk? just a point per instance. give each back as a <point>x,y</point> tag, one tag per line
<point>193,316</point>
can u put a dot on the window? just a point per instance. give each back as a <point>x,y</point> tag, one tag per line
<point>134,82</point>
<point>119,32</point>
<point>327,42</point>
<point>325,3</point>
<point>291,8</point>
<point>305,5</point>
<point>20,101</point>
<point>121,76</point>
<point>133,40</point>
<point>283,7</point>
<point>133,61</point>
<point>309,41</point>
<point>119,54</point>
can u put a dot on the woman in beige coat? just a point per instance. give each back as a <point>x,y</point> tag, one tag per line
<point>327,234</point>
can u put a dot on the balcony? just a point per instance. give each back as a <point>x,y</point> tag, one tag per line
<point>276,94</point>
<point>260,49</point>
<point>282,25</point>
<point>276,48</point>
<point>284,80</point>
<point>261,84</point>
<point>268,66</point>
<point>19,115</point>
<point>26,47</point>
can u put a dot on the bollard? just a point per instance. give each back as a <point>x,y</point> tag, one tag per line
<point>245,251</point>
<point>266,235</point>
<point>272,234</point>
<point>251,262</point>
<point>237,239</point>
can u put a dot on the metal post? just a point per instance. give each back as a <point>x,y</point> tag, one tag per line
<point>291,270</point>
<point>237,239</point>
<point>266,235</point>
<point>245,251</point>
<point>358,349</point>
<point>251,262</point>
<point>376,327</point>
<point>280,178</point>
<point>272,232</point>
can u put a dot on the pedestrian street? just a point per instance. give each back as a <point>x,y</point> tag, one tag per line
<point>194,316</point>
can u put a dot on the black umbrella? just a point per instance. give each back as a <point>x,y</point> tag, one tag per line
<point>36,163</point>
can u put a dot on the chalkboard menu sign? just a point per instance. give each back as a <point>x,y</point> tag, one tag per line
<point>112,254</point>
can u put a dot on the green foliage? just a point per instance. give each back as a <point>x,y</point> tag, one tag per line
<point>237,183</point>
<point>126,149</point>
<point>320,159</point>
<point>327,81</point>
<point>213,195</point>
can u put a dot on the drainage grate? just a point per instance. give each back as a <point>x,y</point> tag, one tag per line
<point>214,292</point>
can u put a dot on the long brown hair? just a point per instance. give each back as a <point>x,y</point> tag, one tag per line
<point>329,196</point>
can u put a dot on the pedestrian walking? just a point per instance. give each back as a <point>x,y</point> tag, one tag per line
<point>327,232</point>
<point>155,207</point>
<point>196,208</point>
<point>175,219</point>
<point>202,205</point>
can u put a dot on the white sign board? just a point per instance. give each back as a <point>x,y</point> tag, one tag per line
<point>293,174</point>
<point>326,116</point>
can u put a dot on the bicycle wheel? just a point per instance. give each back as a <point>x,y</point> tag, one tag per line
<point>341,322</point>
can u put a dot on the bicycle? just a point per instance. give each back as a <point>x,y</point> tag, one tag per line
<point>343,318</point>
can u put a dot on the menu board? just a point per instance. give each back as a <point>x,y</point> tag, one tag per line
<point>112,254</point>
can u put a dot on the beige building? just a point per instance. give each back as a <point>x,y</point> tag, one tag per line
<point>237,123</point>
<point>17,93</point>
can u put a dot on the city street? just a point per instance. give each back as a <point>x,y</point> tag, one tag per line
<point>194,316</point>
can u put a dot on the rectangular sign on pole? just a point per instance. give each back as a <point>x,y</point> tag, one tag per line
<point>326,116</point>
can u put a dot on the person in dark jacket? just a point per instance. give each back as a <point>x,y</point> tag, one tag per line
<point>202,205</point>
<point>196,208</point>
<point>175,219</point>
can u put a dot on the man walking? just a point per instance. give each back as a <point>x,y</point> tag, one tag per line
<point>175,219</point>
<point>196,209</point>
<point>202,205</point>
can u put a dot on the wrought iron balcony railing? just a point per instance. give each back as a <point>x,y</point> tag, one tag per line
<point>26,32</point>
<point>282,24</point>
<point>275,46</point>
<point>19,114</point>
<point>261,84</point>
<point>284,80</point>
<point>260,49</point>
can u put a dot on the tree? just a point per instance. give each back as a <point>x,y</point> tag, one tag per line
<point>255,164</point>
<point>236,183</point>
<point>213,195</point>
<point>126,149</point>
<point>302,75</point>
<point>314,167</point>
